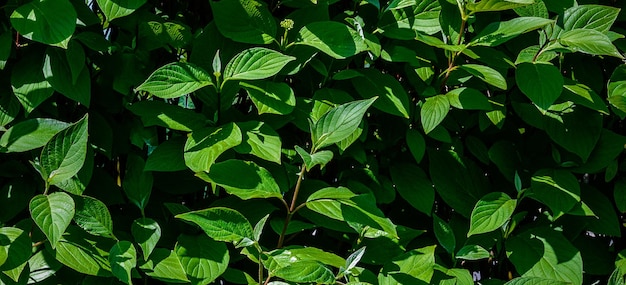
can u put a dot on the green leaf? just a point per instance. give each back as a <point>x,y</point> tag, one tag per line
<point>30,134</point>
<point>616,89</point>
<point>246,21</point>
<point>202,258</point>
<point>414,186</point>
<point>491,212</point>
<point>176,79</point>
<point>413,267</point>
<point>48,22</point>
<point>403,22</point>
<point>260,140</point>
<point>308,271</point>
<point>52,214</point>
<point>58,72</point>
<point>535,54</point>
<point>500,32</point>
<point>285,257</point>
<point>393,98</point>
<point>434,110</point>
<point>28,83</point>
<point>84,253</point>
<point>339,123</point>
<point>583,95</point>
<point>255,63</point>
<point>156,113</point>
<point>468,99</point>
<point>64,155</point>
<point>168,156</point>
<point>577,132</point>
<point>204,146</point>
<point>42,266</point>
<point>164,265</point>
<point>243,179</point>
<point>557,189</point>
<point>9,108</point>
<point>332,38</point>
<point>271,97</point>
<point>93,216</point>
<point>541,82</point>
<point>354,259</point>
<point>594,17</point>
<point>472,252</point>
<point>146,233</point>
<point>114,9</point>
<point>15,248</point>
<point>589,41</point>
<point>535,281</point>
<point>497,5</point>
<point>444,234</point>
<point>619,195</point>
<point>319,158</point>
<point>123,258</point>
<point>137,183</point>
<point>221,224</point>
<point>545,253</point>
<point>416,143</point>
<point>486,74</point>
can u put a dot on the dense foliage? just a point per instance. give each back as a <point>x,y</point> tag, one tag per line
<point>312,142</point>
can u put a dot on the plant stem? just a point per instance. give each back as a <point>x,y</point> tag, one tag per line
<point>292,208</point>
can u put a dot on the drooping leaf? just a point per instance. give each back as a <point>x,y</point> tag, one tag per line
<point>255,63</point>
<point>434,110</point>
<point>58,73</point>
<point>146,233</point>
<point>64,155</point>
<point>28,83</point>
<point>271,97</point>
<point>175,79</point>
<point>577,132</point>
<point>557,189</point>
<point>244,21</point>
<point>87,254</point>
<point>243,179</point>
<point>541,82</point>
<point>392,98</point>
<point>413,267</point>
<point>500,32</point>
<point>339,123</point>
<point>221,224</point>
<point>52,214</point>
<point>491,212</point>
<point>414,186</point>
<point>202,258</point>
<point>260,140</point>
<point>416,143</point>
<point>332,38</point>
<point>114,9</point>
<point>164,265</point>
<point>48,22</point>
<point>30,134</point>
<point>137,183</point>
<point>444,234</point>
<point>486,74</point>
<point>93,216</point>
<point>123,258</point>
<point>167,115</point>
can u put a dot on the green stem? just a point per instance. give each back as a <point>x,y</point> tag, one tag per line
<point>292,208</point>
<point>47,187</point>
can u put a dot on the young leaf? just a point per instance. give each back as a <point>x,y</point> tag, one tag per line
<point>245,21</point>
<point>486,74</point>
<point>116,9</point>
<point>255,63</point>
<point>472,252</point>
<point>123,258</point>
<point>491,212</point>
<point>93,216</point>
<point>354,259</point>
<point>64,155</point>
<point>500,32</point>
<point>433,112</point>
<point>541,82</point>
<point>204,146</point>
<point>319,158</point>
<point>221,224</point>
<point>202,258</point>
<point>243,179</point>
<point>333,38</point>
<point>339,123</point>
<point>271,97</point>
<point>137,183</point>
<point>176,79</point>
<point>52,214</point>
<point>164,265</point>
<point>258,228</point>
<point>48,22</point>
<point>146,233</point>
<point>30,134</point>
<point>260,140</point>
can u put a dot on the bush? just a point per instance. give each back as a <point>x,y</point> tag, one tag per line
<point>315,142</point>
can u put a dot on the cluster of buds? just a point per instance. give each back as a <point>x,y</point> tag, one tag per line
<point>287,24</point>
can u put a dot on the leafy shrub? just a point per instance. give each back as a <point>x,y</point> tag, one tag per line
<point>322,142</point>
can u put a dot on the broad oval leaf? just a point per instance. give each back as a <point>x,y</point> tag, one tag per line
<point>58,72</point>
<point>255,63</point>
<point>167,115</point>
<point>306,272</point>
<point>114,9</point>
<point>30,134</point>
<point>64,155</point>
<point>271,97</point>
<point>87,254</point>
<point>557,189</point>
<point>221,224</point>
<point>468,99</point>
<point>472,252</point>
<point>392,97</point>
<point>243,179</point>
<point>589,41</point>
<point>414,186</point>
<point>339,123</point>
<point>246,21</point>
<point>146,233</point>
<point>413,267</point>
<point>176,79</point>
<point>123,258</point>
<point>491,212</point>
<point>541,82</point>
<point>202,258</point>
<point>486,74</point>
<point>595,17</point>
<point>333,38</point>
<point>29,84</point>
<point>168,156</point>
<point>204,146</point>
<point>48,22</point>
<point>137,183</point>
<point>434,110</point>
<point>52,214</point>
<point>499,32</point>
<point>93,216</point>
<point>164,265</point>
<point>260,140</point>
